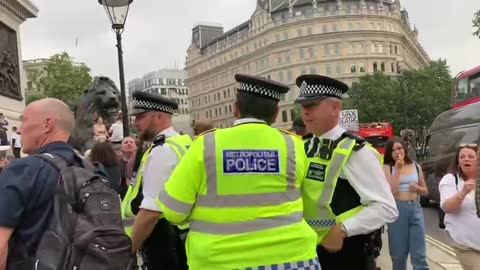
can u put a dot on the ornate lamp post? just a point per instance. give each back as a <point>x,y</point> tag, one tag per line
<point>117,11</point>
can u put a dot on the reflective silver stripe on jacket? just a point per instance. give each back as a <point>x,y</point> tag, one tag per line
<point>333,172</point>
<point>245,226</point>
<point>212,199</point>
<point>180,148</point>
<point>128,222</point>
<point>174,204</point>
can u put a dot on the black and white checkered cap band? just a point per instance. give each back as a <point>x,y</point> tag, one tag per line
<point>259,90</point>
<point>148,105</point>
<point>311,90</point>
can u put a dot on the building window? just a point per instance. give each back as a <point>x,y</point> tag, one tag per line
<point>224,94</point>
<point>396,49</point>
<point>337,49</point>
<point>334,27</point>
<point>313,70</point>
<point>392,66</point>
<point>382,66</point>
<point>353,68</point>
<point>374,48</point>
<point>325,28</point>
<point>380,48</point>
<point>292,114</point>
<point>284,116</point>
<point>327,50</point>
<point>339,69</point>
<point>226,109</point>
<point>361,67</point>
<point>289,75</point>
<point>302,53</point>
<point>375,67</point>
<point>299,32</point>
<point>309,31</point>
<point>360,48</point>
<point>311,52</point>
<point>230,108</point>
<point>351,49</point>
<point>280,76</point>
<point>328,69</point>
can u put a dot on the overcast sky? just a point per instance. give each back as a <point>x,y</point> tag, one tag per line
<point>158,32</point>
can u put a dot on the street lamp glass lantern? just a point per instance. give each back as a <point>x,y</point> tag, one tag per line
<point>117,11</point>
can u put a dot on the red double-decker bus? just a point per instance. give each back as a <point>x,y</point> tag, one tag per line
<point>467,88</point>
<point>377,134</point>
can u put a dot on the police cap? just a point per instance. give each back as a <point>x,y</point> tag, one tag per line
<point>314,88</point>
<point>144,102</point>
<point>260,86</point>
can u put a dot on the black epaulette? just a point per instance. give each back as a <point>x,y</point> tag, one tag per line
<point>158,141</point>
<point>360,142</point>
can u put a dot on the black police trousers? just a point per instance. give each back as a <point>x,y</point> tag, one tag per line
<point>164,250</point>
<point>356,254</point>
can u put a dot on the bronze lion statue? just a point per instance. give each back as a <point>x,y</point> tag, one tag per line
<point>102,99</point>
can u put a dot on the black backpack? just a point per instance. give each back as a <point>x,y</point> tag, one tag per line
<point>86,230</point>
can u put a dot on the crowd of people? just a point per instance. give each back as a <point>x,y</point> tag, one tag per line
<point>247,197</point>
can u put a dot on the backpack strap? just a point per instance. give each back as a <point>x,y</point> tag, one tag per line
<point>456,181</point>
<point>57,161</point>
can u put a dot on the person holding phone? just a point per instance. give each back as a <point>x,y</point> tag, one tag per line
<point>457,200</point>
<point>407,234</point>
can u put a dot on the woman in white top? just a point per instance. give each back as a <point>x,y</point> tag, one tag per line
<point>457,199</point>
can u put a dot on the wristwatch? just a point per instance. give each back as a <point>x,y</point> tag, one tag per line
<point>344,230</point>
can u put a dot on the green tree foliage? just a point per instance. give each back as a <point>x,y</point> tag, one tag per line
<point>476,24</point>
<point>62,79</point>
<point>425,93</point>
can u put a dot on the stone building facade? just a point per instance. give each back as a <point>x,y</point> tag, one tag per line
<point>169,83</point>
<point>12,76</point>
<point>287,38</point>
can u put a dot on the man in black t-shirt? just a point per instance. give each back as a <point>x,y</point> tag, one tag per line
<point>27,185</point>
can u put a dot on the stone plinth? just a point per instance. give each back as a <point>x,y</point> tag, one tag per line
<point>12,76</point>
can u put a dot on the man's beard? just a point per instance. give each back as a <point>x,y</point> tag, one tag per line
<point>147,135</point>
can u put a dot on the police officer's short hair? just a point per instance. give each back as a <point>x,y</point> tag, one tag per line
<point>251,105</point>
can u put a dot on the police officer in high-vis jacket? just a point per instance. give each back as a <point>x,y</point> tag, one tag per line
<point>346,194</point>
<point>239,188</point>
<point>143,220</point>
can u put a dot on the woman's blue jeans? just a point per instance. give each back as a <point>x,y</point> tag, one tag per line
<point>407,236</point>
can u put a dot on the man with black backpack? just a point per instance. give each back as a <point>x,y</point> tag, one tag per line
<point>56,211</point>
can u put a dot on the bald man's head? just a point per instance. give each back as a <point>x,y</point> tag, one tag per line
<point>55,109</point>
<point>44,121</point>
